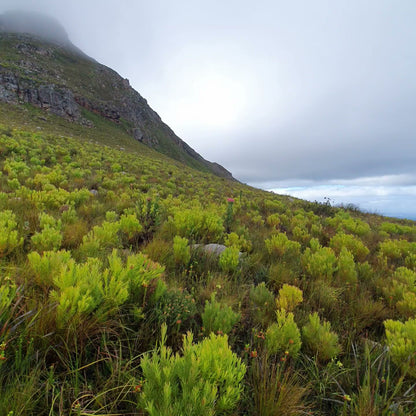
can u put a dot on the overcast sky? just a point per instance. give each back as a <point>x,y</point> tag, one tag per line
<point>314,98</point>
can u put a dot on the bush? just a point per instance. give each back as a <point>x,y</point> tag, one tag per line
<point>198,225</point>
<point>9,239</point>
<point>289,298</point>
<point>48,265</point>
<point>319,339</point>
<point>229,259</point>
<point>401,341</point>
<point>263,303</point>
<point>235,240</point>
<point>204,380</point>
<point>175,308</point>
<point>401,291</point>
<point>320,264</point>
<point>346,272</point>
<point>278,245</point>
<point>217,317</point>
<point>353,244</point>
<point>284,335</point>
<point>48,239</point>
<point>181,251</point>
<point>130,226</point>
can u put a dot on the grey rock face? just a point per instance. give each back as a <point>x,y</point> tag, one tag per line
<point>58,101</point>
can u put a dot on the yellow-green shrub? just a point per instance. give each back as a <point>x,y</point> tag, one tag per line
<point>229,259</point>
<point>289,297</point>
<point>9,238</point>
<point>263,303</point>
<point>181,251</point>
<point>218,317</point>
<point>198,225</point>
<point>320,264</point>
<point>401,340</point>
<point>203,381</point>
<point>283,335</point>
<point>278,245</point>
<point>319,339</point>
<point>346,272</point>
<point>44,267</point>
<point>350,242</point>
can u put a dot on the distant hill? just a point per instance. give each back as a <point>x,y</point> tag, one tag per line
<point>40,66</point>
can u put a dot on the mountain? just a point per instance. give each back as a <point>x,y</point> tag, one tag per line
<point>40,66</point>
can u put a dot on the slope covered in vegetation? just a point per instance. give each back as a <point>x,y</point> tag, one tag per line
<point>62,80</point>
<point>111,304</point>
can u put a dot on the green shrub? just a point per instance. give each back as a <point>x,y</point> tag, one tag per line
<point>346,272</point>
<point>8,293</point>
<point>342,221</point>
<point>47,265</point>
<point>203,381</point>
<point>401,291</point>
<point>9,238</point>
<point>175,308</point>
<point>130,226</point>
<point>289,298</point>
<point>320,264</point>
<point>278,245</point>
<point>181,251</point>
<point>283,336</point>
<point>198,225</point>
<point>319,339</point>
<point>263,303</point>
<point>395,250</point>
<point>83,289</point>
<point>353,244</point>
<point>78,292</point>
<point>217,317</point>
<point>229,259</point>
<point>401,341</point>
<point>239,241</point>
<point>48,239</point>
<point>273,220</point>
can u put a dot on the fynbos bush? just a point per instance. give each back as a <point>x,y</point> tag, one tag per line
<point>228,259</point>
<point>203,381</point>
<point>319,339</point>
<point>289,298</point>
<point>9,238</point>
<point>181,251</point>
<point>278,245</point>
<point>401,340</point>
<point>283,337</point>
<point>217,317</point>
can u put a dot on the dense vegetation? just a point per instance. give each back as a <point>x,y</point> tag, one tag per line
<point>110,305</point>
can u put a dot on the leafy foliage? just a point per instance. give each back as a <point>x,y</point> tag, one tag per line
<point>319,338</point>
<point>283,337</point>
<point>204,380</point>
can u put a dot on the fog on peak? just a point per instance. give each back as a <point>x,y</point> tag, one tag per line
<point>37,24</point>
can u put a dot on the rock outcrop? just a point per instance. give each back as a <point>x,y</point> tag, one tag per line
<point>59,78</point>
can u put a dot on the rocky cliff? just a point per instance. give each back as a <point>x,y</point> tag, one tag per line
<point>57,77</point>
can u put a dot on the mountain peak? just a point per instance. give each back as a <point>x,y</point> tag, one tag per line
<point>39,66</point>
<point>36,24</point>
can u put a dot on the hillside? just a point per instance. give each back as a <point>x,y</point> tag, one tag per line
<point>132,283</point>
<point>60,79</point>
<point>101,247</point>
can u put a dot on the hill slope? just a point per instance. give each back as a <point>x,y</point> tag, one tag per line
<point>59,78</point>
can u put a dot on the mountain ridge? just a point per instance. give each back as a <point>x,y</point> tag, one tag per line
<point>61,79</point>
